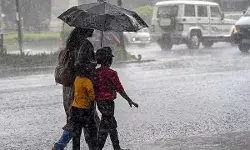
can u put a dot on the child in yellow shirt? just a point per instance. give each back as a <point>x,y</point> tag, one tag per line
<point>81,113</point>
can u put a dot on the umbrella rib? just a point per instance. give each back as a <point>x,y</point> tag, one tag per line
<point>82,11</point>
<point>105,16</point>
<point>68,11</point>
<point>130,21</point>
<point>105,22</point>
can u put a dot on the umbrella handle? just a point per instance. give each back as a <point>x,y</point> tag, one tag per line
<point>101,39</point>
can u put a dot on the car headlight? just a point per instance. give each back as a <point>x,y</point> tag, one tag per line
<point>235,30</point>
<point>133,39</point>
<point>149,39</point>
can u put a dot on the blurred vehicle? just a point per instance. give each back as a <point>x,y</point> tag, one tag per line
<point>109,38</point>
<point>233,15</point>
<point>242,32</point>
<point>140,38</point>
<point>190,23</point>
<point>2,23</point>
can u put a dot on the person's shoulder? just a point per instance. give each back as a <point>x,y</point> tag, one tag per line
<point>112,71</point>
<point>98,69</point>
<point>87,42</point>
<point>106,69</point>
<point>85,80</point>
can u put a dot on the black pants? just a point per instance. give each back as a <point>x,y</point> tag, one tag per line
<point>108,124</point>
<point>82,118</point>
<point>68,96</point>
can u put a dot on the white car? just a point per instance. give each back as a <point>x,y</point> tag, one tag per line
<point>242,32</point>
<point>190,23</point>
<point>140,38</point>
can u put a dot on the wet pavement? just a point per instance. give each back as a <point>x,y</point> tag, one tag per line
<point>189,100</point>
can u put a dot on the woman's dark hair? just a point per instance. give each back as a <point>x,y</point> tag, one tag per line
<point>77,36</point>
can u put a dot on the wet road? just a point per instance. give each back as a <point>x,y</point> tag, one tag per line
<point>188,100</point>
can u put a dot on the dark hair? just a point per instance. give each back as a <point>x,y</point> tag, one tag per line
<point>104,60</point>
<point>104,56</point>
<point>85,70</point>
<point>77,36</point>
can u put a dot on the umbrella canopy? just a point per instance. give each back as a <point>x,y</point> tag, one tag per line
<point>104,17</point>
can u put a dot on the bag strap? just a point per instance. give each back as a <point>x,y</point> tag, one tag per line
<point>84,52</point>
<point>79,52</point>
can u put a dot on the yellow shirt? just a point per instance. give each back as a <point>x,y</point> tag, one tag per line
<point>84,93</point>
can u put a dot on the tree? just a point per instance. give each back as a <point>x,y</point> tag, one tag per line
<point>145,12</point>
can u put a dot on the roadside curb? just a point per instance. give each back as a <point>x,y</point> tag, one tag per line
<point>11,71</point>
<point>134,61</point>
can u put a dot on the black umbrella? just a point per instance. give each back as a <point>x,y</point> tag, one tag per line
<point>104,17</point>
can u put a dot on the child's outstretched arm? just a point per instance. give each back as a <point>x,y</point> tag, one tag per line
<point>119,88</point>
<point>130,102</point>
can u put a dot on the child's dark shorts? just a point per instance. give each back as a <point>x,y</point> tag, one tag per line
<point>107,109</point>
<point>80,118</point>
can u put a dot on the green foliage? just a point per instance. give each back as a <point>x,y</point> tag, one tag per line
<point>16,60</point>
<point>145,12</point>
<point>11,40</point>
<point>31,36</point>
<point>121,54</point>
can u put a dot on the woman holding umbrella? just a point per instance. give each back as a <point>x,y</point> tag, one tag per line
<point>81,53</point>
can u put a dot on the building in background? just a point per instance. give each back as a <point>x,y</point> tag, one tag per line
<point>227,5</point>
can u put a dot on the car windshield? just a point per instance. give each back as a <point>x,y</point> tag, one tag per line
<point>144,30</point>
<point>167,11</point>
